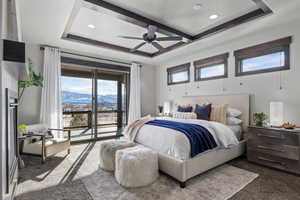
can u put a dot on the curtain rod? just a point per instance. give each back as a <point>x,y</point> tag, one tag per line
<point>76,54</point>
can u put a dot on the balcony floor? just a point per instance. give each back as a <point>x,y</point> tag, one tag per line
<point>86,134</point>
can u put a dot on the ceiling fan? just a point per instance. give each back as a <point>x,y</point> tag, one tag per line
<point>151,38</point>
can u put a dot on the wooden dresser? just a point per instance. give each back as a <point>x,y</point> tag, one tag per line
<point>277,148</point>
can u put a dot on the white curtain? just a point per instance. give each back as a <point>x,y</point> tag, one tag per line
<point>51,107</point>
<point>135,93</point>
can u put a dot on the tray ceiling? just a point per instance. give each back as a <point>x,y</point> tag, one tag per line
<point>101,23</point>
<point>182,15</point>
<point>109,29</point>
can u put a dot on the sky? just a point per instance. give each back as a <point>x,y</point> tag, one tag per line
<point>264,62</point>
<point>251,64</point>
<point>84,86</point>
<point>217,70</point>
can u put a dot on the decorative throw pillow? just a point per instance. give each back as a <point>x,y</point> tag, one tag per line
<point>184,115</point>
<point>184,109</point>
<point>203,112</point>
<point>232,112</point>
<point>219,113</point>
<point>233,121</point>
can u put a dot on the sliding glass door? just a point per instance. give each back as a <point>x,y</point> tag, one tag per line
<point>107,106</point>
<point>94,102</point>
<point>77,103</point>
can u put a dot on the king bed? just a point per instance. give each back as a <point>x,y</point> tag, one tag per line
<point>175,150</point>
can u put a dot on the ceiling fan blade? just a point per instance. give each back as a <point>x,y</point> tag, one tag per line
<point>171,38</point>
<point>129,37</point>
<point>137,47</point>
<point>151,31</point>
<point>158,46</point>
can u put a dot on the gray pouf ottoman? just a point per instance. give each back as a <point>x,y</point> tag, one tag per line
<point>136,166</point>
<point>108,150</point>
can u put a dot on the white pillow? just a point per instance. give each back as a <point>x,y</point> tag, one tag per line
<point>232,112</point>
<point>184,115</point>
<point>233,121</point>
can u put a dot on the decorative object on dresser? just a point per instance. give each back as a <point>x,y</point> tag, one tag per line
<point>289,125</point>
<point>274,147</point>
<point>259,118</point>
<point>276,114</point>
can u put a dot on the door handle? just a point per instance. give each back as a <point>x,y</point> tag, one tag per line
<point>12,105</point>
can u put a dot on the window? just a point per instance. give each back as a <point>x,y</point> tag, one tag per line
<point>267,57</point>
<point>211,68</point>
<point>179,74</point>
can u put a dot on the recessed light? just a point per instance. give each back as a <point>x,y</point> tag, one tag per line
<point>197,6</point>
<point>214,16</point>
<point>92,26</point>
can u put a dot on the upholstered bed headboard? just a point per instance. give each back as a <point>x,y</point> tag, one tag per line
<point>238,101</point>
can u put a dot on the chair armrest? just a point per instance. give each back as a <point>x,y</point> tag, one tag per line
<point>56,129</point>
<point>63,130</point>
<point>38,135</point>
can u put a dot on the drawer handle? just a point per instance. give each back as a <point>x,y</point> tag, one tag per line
<point>271,149</point>
<point>270,136</point>
<point>271,161</point>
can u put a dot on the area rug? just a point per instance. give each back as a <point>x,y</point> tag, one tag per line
<point>218,184</point>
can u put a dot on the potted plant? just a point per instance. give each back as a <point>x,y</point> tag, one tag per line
<point>160,109</point>
<point>22,128</point>
<point>33,80</point>
<point>259,118</point>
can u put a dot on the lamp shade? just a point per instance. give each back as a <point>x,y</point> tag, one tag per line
<point>167,107</point>
<point>276,113</point>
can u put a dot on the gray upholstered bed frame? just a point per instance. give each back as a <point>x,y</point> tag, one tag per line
<point>182,170</point>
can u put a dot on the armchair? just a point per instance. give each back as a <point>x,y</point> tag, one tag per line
<point>40,141</point>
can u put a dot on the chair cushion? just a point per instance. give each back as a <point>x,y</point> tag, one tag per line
<point>36,147</point>
<point>37,129</point>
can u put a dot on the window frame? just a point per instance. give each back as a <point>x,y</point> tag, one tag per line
<point>210,62</point>
<point>280,45</point>
<point>176,69</point>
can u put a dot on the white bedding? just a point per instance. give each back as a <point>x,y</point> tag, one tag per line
<point>237,129</point>
<point>176,144</point>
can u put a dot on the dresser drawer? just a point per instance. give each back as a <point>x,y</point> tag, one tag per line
<point>283,151</point>
<point>273,136</point>
<point>274,161</point>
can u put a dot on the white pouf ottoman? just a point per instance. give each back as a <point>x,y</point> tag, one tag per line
<point>108,150</point>
<point>136,166</point>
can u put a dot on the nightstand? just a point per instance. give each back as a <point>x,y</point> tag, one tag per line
<point>274,147</point>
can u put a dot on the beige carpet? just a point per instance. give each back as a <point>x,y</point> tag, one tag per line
<point>77,177</point>
<point>218,184</point>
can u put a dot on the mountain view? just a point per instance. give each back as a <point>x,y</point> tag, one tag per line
<point>84,99</point>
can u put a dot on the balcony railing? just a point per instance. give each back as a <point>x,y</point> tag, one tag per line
<point>83,119</point>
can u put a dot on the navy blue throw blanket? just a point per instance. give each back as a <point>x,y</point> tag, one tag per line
<point>199,137</point>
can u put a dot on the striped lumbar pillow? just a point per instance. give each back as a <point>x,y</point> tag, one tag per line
<point>219,113</point>
<point>184,115</point>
